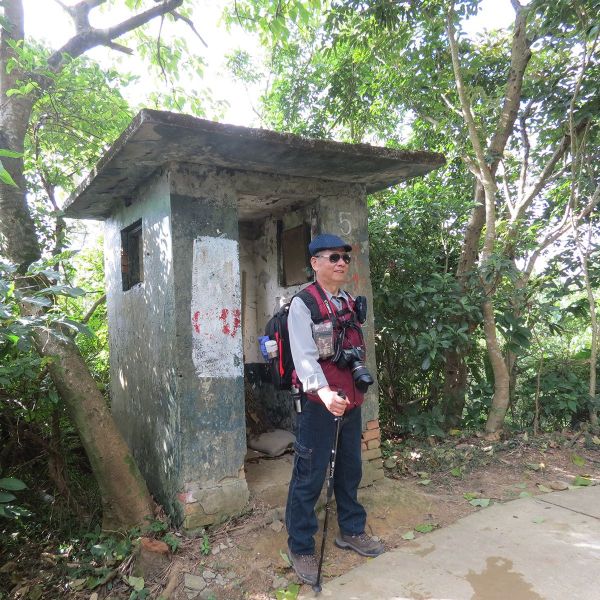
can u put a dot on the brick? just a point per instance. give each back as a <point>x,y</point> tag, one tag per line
<point>371,454</point>
<point>371,434</point>
<point>156,546</point>
<point>373,444</point>
<point>373,424</point>
<point>363,446</point>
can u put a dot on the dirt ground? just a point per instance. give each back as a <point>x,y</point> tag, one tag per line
<point>425,485</point>
<point>428,484</point>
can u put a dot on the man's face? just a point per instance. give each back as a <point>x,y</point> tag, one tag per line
<point>328,272</point>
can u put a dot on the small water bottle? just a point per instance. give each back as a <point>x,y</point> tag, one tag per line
<point>297,399</point>
<point>271,347</point>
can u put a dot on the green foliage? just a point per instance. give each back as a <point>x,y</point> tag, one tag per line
<point>290,593</point>
<point>7,508</point>
<point>420,311</point>
<point>382,71</point>
<point>5,176</point>
<point>205,545</point>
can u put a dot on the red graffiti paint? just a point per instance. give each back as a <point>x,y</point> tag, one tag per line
<point>196,321</point>
<point>236,321</point>
<point>223,317</point>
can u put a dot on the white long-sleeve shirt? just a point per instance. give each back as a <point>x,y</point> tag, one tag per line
<point>302,345</point>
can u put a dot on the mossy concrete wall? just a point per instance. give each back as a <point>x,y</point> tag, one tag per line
<point>141,325</point>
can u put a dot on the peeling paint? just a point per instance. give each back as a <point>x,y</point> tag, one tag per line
<point>215,309</point>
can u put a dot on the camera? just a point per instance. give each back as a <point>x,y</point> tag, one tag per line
<point>353,359</point>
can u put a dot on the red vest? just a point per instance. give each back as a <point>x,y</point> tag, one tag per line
<point>338,379</point>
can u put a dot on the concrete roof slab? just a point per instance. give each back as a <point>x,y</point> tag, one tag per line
<point>155,138</point>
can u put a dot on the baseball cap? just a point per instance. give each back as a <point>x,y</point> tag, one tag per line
<point>325,241</point>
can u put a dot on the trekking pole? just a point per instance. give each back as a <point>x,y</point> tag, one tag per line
<point>338,421</point>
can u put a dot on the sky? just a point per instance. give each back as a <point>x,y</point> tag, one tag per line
<point>45,20</point>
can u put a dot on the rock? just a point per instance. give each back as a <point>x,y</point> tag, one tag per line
<point>94,596</point>
<point>277,525</point>
<point>215,550</point>
<point>559,485</point>
<point>206,595</point>
<point>390,462</point>
<point>280,583</point>
<point>220,580</point>
<point>208,574</point>
<point>193,583</point>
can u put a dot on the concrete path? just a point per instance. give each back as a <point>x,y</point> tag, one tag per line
<point>541,548</point>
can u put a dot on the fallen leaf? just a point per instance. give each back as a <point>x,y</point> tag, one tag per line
<point>425,527</point>
<point>538,520</point>
<point>409,535</point>
<point>483,502</point>
<point>424,482</point>
<point>470,495</point>
<point>582,481</point>
<point>577,460</point>
<point>543,488</point>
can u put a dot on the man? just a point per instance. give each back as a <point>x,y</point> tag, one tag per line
<point>329,391</point>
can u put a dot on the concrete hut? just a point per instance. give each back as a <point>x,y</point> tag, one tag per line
<point>206,228</point>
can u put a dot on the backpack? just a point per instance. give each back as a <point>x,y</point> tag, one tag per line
<point>282,366</point>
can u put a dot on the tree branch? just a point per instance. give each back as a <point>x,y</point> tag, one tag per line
<point>526,150</point>
<point>558,153</point>
<point>93,308</point>
<point>190,24</point>
<point>485,174</point>
<point>90,37</point>
<point>519,59</point>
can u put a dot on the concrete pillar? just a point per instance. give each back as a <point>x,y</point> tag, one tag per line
<point>208,344</point>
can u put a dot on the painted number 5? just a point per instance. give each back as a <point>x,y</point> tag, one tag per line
<point>345,225</point>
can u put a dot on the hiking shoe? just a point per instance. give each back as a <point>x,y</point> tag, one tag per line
<point>306,566</point>
<point>361,543</point>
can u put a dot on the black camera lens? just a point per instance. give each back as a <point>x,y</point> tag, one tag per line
<point>362,377</point>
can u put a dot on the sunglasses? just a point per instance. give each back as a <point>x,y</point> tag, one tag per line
<point>333,258</point>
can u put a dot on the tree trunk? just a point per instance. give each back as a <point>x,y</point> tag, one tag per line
<point>455,388</point>
<point>125,497</point>
<point>501,380</point>
<point>455,368</point>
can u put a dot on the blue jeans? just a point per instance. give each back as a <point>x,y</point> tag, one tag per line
<point>314,439</point>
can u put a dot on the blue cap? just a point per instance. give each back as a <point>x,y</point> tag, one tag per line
<point>325,241</point>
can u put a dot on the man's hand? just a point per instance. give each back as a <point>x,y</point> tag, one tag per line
<point>334,403</point>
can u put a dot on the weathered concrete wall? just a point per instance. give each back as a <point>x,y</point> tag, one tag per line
<point>208,343</point>
<point>141,329</point>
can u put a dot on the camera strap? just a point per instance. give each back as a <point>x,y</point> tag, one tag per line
<point>332,311</point>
